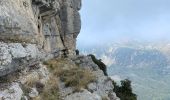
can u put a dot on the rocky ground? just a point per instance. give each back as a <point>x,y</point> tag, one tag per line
<point>32,82</point>
<point>38,58</point>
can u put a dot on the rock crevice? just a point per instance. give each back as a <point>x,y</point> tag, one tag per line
<point>51,26</point>
<point>38,57</point>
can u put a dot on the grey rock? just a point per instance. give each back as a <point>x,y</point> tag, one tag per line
<point>14,92</point>
<point>103,85</point>
<point>16,18</point>
<point>85,95</point>
<point>17,50</point>
<point>34,93</point>
<point>13,56</point>
<point>32,51</point>
<point>32,31</point>
<point>64,91</point>
<point>5,56</point>
<point>46,26</point>
<point>85,62</point>
<point>113,96</point>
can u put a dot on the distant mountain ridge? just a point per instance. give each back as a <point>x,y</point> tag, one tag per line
<point>146,64</point>
<point>125,56</point>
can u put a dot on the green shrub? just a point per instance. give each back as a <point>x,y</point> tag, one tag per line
<point>77,52</point>
<point>124,92</point>
<point>101,65</point>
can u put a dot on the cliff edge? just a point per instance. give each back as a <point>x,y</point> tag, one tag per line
<point>38,58</point>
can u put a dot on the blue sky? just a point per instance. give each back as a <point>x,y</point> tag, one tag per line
<point>105,21</point>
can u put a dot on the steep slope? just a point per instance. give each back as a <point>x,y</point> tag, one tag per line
<point>37,54</point>
<point>145,64</point>
<point>50,27</point>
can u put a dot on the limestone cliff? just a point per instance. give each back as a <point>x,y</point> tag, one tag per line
<point>37,54</point>
<point>31,30</point>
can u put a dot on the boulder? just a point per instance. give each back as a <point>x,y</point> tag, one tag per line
<point>13,92</point>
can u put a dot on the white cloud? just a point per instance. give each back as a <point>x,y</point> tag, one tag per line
<point>107,60</point>
<point>135,19</point>
<point>116,78</point>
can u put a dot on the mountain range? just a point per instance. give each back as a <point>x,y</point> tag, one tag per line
<point>146,64</point>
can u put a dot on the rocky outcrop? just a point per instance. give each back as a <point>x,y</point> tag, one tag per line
<point>53,24</point>
<point>14,92</point>
<point>48,27</point>
<point>15,86</point>
<point>14,56</point>
<point>34,31</point>
<point>102,87</point>
<point>32,81</point>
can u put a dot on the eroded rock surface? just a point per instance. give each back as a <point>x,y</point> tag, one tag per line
<point>14,92</point>
<point>33,31</point>
<point>49,26</point>
<point>32,81</point>
<point>15,56</point>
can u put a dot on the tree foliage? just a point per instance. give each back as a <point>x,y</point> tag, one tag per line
<point>101,65</point>
<point>124,92</point>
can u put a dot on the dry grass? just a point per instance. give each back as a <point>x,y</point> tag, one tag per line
<point>105,98</point>
<point>67,72</point>
<point>77,78</point>
<point>31,79</point>
<point>51,90</point>
<point>71,74</point>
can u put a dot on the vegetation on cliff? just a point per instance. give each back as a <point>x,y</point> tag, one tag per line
<point>124,92</point>
<point>101,65</point>
<point>71,74</point>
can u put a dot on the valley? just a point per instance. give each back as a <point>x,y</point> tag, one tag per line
<point>145,64</point>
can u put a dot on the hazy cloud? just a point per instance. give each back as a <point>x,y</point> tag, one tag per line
<point>107,20</point>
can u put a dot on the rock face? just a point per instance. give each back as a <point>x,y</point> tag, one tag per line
<point>100,89</point>
<point>33,31</point>
<point>83,96</point>
<point>14,92</point>
<point>14,56</point>
<point>53,24</point>
<point>15,89</point>
<point>46,26</point>
<point>32,80</point>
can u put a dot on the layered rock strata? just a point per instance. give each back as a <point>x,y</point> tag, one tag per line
<point>34,31</point>
<point>48,26</point>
